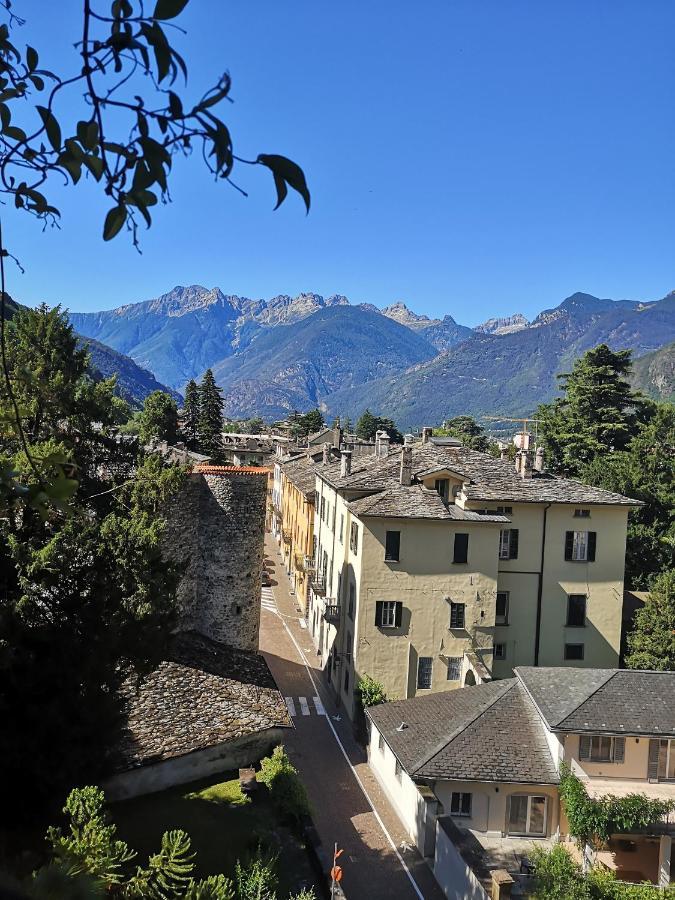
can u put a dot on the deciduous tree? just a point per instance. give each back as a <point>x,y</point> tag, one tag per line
<point>159,418</point>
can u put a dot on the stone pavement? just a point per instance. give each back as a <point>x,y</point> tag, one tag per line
<point>331,763</point>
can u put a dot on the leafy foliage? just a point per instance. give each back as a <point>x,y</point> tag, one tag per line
<point>370,692</point>
<point>470,432</point>
<point>593,821</point>
<point>368,425</point>
<point>652,641</point>
<point>257,880</point>
<point>598,414</point>
<point>307,423</point>
<point>158,419</point>
<point>286,789</point>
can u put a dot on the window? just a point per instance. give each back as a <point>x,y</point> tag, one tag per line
<point>508,543</point>
<point>502,608</point>
<point>397,770</point>
<point>457,617</point>
<point>460,804</point>
<point>352,600</point>
<point>499,651</point>
<point>598,748</point>
<point>388,613</point>
<point>576,610</point>
<point>441,486</point>
<point>346,681</point>
<point>380,744</point>
<point>580,546</point>
<point>582,513</point>
<point>354,537</point>
<point>461,550</point>
<point>323,508</point>
<point>342,526</point>
<point>392,550</point>
<point>661,760</point>
<point>574,651</point>
<point>454,668</point>
<point>424,670</point>
<point>328,513</point>
<point>339,588</point>
<point>505,510</point>
<point>526,814</point>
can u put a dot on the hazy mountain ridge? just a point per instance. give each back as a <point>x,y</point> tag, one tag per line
<point>654,373</point>
<point>272,356</point>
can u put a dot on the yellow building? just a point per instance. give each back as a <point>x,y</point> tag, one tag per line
<point>438,566</point>
<point>298,483</point>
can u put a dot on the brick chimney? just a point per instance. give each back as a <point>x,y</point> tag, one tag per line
<point>345,463</point>
<point>406,466</point>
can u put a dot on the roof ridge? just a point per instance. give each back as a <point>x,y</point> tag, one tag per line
<point>614,673</point>
<point>446,743</point>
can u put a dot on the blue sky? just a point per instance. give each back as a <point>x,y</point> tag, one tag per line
<point>470,157</point>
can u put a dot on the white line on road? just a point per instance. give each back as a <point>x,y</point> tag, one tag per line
<point>320,711</point>
<point>304,706</point>
<point>290,706</point>
<point>378,818</point>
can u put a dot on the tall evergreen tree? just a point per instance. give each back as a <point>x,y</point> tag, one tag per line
<point>191,415</point>
<point>211,417</point>
<point>652,641</point>
<point>598,414</point>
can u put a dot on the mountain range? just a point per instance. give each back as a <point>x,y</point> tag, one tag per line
<point>274,356</point>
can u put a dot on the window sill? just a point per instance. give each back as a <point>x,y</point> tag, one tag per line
<point>392,560</point>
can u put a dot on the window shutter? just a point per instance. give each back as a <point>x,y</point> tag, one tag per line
<point>461,548</point>
<point>653,760</point>
<point>513,545</point>
<point>591,545</point>
<point>378,612</point>
<point>399,613</point>
<point>584,745</point>
<point>619,749</point>
<point>569,544</point>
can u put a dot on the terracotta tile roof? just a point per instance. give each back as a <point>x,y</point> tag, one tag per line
<point>203,694</point>
<point>204,469</point>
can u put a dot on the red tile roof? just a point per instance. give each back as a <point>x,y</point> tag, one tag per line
<point>205,469</point>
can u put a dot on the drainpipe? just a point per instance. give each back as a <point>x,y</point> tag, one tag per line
<point>540,588</point>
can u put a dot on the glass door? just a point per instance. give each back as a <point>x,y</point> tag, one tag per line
<point>527,815</point>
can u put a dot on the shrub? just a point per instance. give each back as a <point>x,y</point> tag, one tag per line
<point>370,692</point>
<point>283,782</point>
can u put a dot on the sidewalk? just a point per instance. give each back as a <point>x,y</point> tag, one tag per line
<point>331,764</point>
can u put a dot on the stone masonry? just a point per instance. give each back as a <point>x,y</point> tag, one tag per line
<point>216,529</point>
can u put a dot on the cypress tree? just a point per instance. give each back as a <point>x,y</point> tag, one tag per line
<point>211,417</point>
<point>191,415</point>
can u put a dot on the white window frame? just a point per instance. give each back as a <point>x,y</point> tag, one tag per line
<point>580,546</point>
<point>458,813</point>
<point>527,832</point>
<point>670,758</point>
<point>505,543</point>
<point>582,513</point>
<point>598,738</point>
<point>388,614</point>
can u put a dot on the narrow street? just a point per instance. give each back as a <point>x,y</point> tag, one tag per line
<point>348,804</point>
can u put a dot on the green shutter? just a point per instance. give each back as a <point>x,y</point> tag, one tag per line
<point>592,535</point>
<point>513,544</point>
<point>399,613</point>
<point>569,544</point>
<point>378,612</point>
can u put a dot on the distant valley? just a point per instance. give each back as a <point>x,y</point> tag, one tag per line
<point>274,356</point>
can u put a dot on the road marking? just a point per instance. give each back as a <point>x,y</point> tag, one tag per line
<point>304,706</point>
<point>290,706</point>
<point>302,622</point>
<point>320,711</point>
<point>378,818</point>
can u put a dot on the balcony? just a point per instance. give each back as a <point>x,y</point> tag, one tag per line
<point>286,535</point>
<point>331,613</point>
<point>319,584</point>
<point>309,564</point>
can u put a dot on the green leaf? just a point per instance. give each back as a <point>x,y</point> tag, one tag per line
<point>282,190</point>
<point>51,126</point>
<point>38,83</point>
<point>71,165</point>
<point>31,59</point>
<point>289,172</point>
<point>95,165</point>
<point>169,9</point>
<point>114,221</point>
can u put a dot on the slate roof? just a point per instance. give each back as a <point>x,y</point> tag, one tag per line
<point>415,502</point>
<point>489,732</point>
<point>301,471</point>
<point>611,701</point>
<point>486,478</point>
<point>203,694</point>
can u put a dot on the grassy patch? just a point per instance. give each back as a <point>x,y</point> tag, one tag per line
<point>223,823</point>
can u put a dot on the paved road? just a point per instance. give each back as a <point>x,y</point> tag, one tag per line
<point>348,804</point>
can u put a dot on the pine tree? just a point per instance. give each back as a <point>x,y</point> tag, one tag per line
<point>191,415</point>
<point>598,414</point>
<point>652,641</point>
<point>159,418</point>
<point>211,417</point>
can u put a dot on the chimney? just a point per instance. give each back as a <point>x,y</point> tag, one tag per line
<point>384,444</point>
<point>426,434</point>
<point>539,459</point>
<point>345,463</point>
<point>524,463</point>
<point>379,437</point>
<point>406,465</point>
<point>326,454</point>
<point>503,453</point>
<point>409,440</point>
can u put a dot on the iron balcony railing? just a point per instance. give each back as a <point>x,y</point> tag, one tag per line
<point>331,612</point>
<point>319,584</point>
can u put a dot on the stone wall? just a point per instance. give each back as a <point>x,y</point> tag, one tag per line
<point>216,529</point>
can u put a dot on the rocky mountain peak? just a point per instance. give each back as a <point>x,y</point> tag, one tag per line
<point>400,313</point>
<point>503,324</point>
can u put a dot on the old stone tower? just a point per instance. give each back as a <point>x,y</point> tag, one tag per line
<point>216,529</point>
